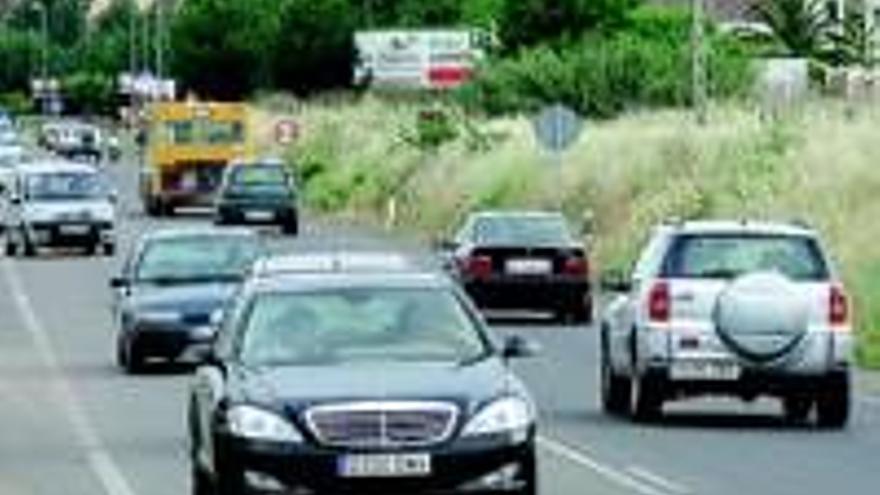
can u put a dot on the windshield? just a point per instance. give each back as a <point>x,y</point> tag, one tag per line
<point>197,258</point>
<point>61,186</point>
<point>355,325</point>
<point>730,256</point>
<point>523,230</point>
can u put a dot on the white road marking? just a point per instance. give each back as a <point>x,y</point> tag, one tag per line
<point>657,480</point>
<point>583,459</point>
<point>99,458</point>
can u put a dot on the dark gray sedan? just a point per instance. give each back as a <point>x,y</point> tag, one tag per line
<point>173,288</point>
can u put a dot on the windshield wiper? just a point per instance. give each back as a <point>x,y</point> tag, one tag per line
<point>194,279</point>
<point>475,359</point>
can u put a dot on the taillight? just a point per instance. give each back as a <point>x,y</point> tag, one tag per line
<point>478,266</point>
<point>576,266</point>
<point>838,306</point>
<point>659,302</point>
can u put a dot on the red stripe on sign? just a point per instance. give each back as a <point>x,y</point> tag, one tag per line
<point>445,76</point>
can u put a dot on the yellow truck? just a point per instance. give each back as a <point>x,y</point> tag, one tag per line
<point>187,148</point>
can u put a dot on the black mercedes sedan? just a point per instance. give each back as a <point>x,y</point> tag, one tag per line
<point>329,381</point>
<point>529,260</point>
<point>173,286</point>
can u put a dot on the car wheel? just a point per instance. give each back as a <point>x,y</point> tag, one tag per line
<point>90,249</point>
<point>109,249</point>
<point>134,359</point>
<point>646,399</point>
<point>11,248</point>
<point>615,390</point>
<point>29,249</point>
<point>229,478</point>
<point>833,401</point>
<point>291,227</point>
<point>121,355</point>
<point>796,408</point>
<point>201,482</point>
<point>153,208</point>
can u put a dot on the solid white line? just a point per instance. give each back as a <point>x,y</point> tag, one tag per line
<point>658,480</point>
<point>584,460</point>
<point>99,459</point>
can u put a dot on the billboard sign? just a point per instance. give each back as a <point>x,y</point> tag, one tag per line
<point>413,59</point>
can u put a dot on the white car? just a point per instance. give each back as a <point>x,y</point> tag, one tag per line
<point>60,204</point>
<point>732,308</point>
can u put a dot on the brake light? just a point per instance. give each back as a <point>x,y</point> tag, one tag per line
<point>659,303</point>
<point>838,306</point>
<point>576,266</point>
<point>478,266</point>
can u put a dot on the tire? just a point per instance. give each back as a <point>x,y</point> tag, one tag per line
<point>90,249</point>
<point>200,483</point>
<point>833,401</point>
<point>109,249</point>
<point>529,476</point>
<point>29,250</point>
<point>291,227</point>
<point>646,399</point>
<point>11,248</point>
<point>154,207</point>
<point>796,408</point>
<point>135,361</point>
<point>229,478</point>
<point>121,355</point>
<point>615,390</point>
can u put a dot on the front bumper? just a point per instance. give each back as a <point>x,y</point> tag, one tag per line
<point>467,466</point>
<point>169,340</point>
<point>529,293</point>
<point>57,234</point>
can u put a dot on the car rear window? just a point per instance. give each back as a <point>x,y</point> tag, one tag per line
<point>522,231</point>
<point>727,256</point>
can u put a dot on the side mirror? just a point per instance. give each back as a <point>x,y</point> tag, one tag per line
<point>113,197</point>
<point>517,347</point>
<point>445,245</point>
<point>15,199</point>
<point>205,355</point>
<point>119,283</point>
<point>615,281</point>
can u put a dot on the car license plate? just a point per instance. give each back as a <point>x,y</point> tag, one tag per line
<point>74,229</point>
<point>259,215</point>
<point>384,466</point>
<point>705,370</point>
<point>528,267</point>
<point>189,181</point>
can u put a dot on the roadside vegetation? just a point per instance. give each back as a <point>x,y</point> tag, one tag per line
<point>816,165</point>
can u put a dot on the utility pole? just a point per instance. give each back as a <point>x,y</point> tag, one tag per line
<point>159,38</point>
<point>698,63</point>
<point>132,37</point>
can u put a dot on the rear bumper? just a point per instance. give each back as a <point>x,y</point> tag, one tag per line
<point>238,213</point>
<point>553,293</point>
<point>460,468</point>
<point>166,340</point>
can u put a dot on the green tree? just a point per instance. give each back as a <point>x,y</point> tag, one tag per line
<point>223,48</point>
<point>800,26</point>
<point>314,49</point>
<point>530,22</point>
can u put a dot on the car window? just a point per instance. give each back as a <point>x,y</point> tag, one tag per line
<point>522,230</point>
<point>60,186</point>
<point>258,176</point>
<point>355,325</point>
<point>730,256</point>
<point>197,257</point>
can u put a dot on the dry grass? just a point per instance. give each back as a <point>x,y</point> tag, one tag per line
<point>817,165</point>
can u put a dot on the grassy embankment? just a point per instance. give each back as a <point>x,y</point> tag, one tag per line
<point>818,166</point>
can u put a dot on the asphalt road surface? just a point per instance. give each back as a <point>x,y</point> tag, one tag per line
<point>72,424</point>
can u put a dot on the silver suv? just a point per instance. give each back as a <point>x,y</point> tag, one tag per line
<point>728,308</point>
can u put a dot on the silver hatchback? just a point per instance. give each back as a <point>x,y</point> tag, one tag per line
<point>732,308</point>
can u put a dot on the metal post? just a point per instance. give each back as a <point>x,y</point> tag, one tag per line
<point>159,38</point>
<point>698,53</point>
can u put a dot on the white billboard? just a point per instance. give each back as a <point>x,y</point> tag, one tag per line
<point>417,59</point>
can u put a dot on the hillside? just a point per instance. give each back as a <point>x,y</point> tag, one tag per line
<point>623,176</point>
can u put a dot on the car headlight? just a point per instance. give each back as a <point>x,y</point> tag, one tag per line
<point>257,424</point>
<point>159,316</point>
<point>507,415</point>
<point>217,317</point>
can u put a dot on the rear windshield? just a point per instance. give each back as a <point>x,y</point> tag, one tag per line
<point>730,256</point>
<point>522,231</point>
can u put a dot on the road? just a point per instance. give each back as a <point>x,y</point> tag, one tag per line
<point>72,424</point>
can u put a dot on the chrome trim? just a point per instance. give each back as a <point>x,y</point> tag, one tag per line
<point>383,408</point>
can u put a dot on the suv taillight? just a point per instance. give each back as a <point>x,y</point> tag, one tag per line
<point>478,266</point>
<point>659,302</point>
<point>576,265</point>
<point>838,306</point>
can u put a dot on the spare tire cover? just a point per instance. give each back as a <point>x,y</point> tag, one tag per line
<point>762,316</point>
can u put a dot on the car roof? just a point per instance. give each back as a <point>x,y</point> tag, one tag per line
<point>264,161</point>
<point>314,281</point>
<point>56,166</point>
<point>491,214</point>
<point>322,262</point>
<point>170,233</point>
<point>754,227</point>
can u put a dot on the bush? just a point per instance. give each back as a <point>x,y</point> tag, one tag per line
<point>647,64</point>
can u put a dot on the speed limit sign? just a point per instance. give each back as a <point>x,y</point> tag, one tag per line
<point>286,132</point>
